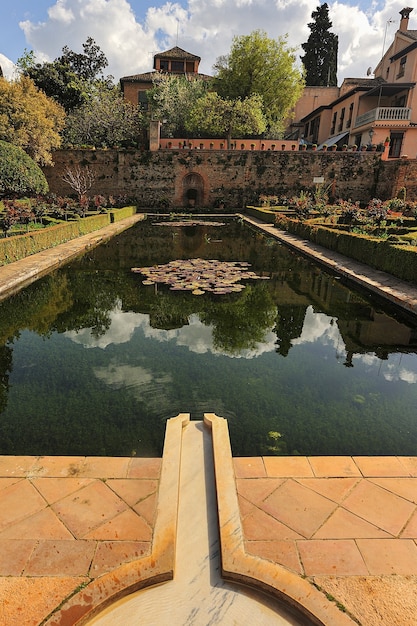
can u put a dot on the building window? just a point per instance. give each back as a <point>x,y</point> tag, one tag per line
<point>401,71</point>
<point>177,66</point>
<point>396,141</point>
<point>163,65</point>
<point>342,117</point>
<point>143,100</point>
<point>334,120</point>
<point>349,120</point>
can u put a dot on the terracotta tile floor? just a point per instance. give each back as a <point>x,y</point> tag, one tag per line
<point>65,521</point>
<point>339,516</point>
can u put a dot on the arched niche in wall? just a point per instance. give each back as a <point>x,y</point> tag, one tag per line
<point>192,190</point>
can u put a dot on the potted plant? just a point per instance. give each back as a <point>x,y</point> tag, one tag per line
<point>211,145</point>
<point>272,146</point>
<point>314,147</point>
<point>324,147</point>
<point>303,147</point>
<point>252,146</point>
<point>333,148</point>
<point>344,147</point>
<point>293,146</point>
<point>242,146</point>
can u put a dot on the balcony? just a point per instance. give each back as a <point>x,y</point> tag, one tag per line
<point>385,114</point>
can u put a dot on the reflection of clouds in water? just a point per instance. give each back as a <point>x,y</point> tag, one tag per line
<point>118,376</point>
<point>394,368</point>
<point>317,327</point>
<point>195,336</point>
<point>148,387</point>
<point>122,326</point>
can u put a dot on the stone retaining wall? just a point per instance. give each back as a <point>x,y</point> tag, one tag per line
<point>215,178</point>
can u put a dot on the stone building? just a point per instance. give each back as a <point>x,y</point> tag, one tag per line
<point>367,111</point>
<point>175,61</point>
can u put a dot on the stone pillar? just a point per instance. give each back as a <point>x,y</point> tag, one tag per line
<point>154,135</point>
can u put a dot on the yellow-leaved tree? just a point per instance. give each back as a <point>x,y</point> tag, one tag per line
<point>29,119</point>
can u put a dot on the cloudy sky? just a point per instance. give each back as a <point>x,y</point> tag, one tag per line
<point>130,32</point>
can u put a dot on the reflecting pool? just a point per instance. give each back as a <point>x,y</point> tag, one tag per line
<point>93,361</point>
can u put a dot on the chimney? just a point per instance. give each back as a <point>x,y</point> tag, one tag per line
<point>405,14</point>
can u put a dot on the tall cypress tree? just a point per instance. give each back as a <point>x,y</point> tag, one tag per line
<point>320,58</point>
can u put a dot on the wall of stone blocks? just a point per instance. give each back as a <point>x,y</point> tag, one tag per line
<point>172,178</point>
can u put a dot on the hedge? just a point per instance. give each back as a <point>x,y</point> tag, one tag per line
<point>20,246</point>
<point>398,260</point>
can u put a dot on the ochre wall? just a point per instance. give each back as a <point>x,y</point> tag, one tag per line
<point>166,178</point>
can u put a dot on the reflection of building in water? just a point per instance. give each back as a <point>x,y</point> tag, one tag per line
<point>362,328</point>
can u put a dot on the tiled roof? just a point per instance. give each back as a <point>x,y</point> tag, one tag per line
<point>147,77</point>
<point>177,53</point>
<point>410,33</point>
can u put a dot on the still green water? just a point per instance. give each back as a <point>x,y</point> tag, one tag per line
<point>93,362</point>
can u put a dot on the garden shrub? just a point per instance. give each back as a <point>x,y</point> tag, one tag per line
<point>398,260</point>
<point>18,172</point>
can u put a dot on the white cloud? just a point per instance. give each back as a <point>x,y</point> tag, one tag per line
<point>7,66</point>
<point>206,28</point>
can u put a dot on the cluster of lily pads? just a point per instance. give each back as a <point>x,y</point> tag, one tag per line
<point>200,275</point>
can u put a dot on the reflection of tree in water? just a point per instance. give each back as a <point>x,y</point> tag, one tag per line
<point>97,294</point>
<point>6,360</point>
<point>240,324</point>
<point>289,325</point>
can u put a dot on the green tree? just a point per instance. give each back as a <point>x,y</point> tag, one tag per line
<point>171,100</point>
<point>69,78</point>
<point>19,174</point>
<point>29,119</point>
<point>320,58</point>
<point>104,120</point>
<point>221,116</point>
<point>257,64</point>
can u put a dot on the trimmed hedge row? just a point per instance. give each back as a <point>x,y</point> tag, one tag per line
<point>262,214</point>
<point>400,261</point>
<point>21,246</point>
<point>120,214</point>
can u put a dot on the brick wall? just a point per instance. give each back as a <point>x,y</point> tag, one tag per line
<point>182,178</point>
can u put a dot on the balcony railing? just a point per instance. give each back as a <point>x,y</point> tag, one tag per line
<point>384,114</point>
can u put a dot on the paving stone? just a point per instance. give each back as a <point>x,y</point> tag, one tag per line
<point>128,525</point>
<point>14,555</point>
<point>379,507</point>
<point>88,508</point>
<point>132,490</point>
<point>331,557</point>
<point>333,466</point>
<point>52,489</point>
<point>41,525</point>
<point>144,468</point>
<point>299,508</point>
<point>335,489</point>
<point>249,467</point>
<point>389,556</point>
<point>283,552</point>
<point>286,466</point>
<point>112,554</point>
<point>18,501</point>
<point>61,558</point>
